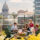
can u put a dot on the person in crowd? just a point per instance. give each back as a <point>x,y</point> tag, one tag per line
<point>37,30</point>
<point>36,27</point>
<point>31,25</point>
<point>26,29</point>
<point>8,33</point>
<point>14,27</point>
<point>9,27</point>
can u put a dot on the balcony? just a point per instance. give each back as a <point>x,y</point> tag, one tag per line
<point>37,6</point>
<point>37,2</point>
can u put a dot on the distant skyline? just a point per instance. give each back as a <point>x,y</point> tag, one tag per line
<point>15,5</point>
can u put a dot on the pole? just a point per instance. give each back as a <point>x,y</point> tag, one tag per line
<point>34,18</point>
<point>24,18</point>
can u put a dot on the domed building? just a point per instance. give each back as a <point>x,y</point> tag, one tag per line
<point>5,13</point>
<point>5,10</point>
<point>3,16</point>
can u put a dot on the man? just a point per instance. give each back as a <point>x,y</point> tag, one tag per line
<point>14,27</point>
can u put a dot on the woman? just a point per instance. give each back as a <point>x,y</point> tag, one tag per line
<point>31,25</point>
<point>26,29</point>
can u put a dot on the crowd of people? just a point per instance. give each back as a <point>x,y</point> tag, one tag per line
<point>29,28</point>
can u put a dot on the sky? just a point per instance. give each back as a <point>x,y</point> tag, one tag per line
<point>15,5</point>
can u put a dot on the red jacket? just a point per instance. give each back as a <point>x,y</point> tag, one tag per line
<point>31,24</point>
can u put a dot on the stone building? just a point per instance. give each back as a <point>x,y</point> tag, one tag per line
<point>37,11</point>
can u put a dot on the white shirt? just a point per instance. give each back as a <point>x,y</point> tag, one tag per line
<point>14,27</point>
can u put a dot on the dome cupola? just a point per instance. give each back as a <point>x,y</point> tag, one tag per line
<point>5,8</point>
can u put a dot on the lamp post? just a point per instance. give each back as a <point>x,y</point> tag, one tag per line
<point>34,18</point>
<point>24,18</point>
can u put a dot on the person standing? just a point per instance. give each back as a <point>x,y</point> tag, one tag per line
<point>31,25</point>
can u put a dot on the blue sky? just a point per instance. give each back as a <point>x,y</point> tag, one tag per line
<point>15,5</point>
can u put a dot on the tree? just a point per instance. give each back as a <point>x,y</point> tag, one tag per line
<point>14,15</point>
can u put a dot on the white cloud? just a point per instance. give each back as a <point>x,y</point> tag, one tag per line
<point>18,6</point>
<point>15,0</point>
<point>15,5</point>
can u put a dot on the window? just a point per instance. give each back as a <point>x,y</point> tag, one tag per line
<point>37,4</point>
<point>5,20</point>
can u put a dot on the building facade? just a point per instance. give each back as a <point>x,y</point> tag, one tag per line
<point>24,16</point>
<point>5,10</point>
<point>4,20</point>
<point>37,11</point>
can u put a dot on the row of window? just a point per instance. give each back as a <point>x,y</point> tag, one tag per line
<point>37,4</point>
<point>3,20</point>
<point>8,16</point>
<point>37,12</point>
<point>37,0</point>
<point>37,8</point>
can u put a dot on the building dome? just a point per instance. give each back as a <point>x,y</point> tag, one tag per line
<point>5,7</point>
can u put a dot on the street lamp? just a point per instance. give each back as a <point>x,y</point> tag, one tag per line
<point>34,18</point>
<point>24,18</point>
